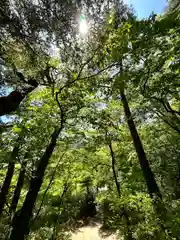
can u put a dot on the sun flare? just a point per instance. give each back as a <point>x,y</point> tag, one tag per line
<point>83,26</point>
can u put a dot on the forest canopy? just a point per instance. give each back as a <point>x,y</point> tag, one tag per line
<point>89,119</point>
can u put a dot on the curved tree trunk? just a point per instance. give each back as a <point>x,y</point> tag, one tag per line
<point>148,174</point>
<point>21,219</point>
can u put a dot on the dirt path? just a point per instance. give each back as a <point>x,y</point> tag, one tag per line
<point>90,233</point>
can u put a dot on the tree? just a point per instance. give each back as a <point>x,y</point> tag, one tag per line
<point>9,174</point>
<point>21,220</point>
<point>96,93</point>
<point>148,174</point>
<point>119,52</point>
<point>19,186</point>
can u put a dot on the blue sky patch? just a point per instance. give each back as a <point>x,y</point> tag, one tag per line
<point>144,8</point>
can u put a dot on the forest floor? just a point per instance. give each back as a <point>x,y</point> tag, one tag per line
<point>91,232</point>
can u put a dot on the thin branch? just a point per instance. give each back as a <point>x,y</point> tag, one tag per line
<point>167,106</point>
<point>19,74</point>
<point>100,164</point>
<point>61,113</point>
<point>4,126</point>
<point>88,77</point>
<point>101,71</point>
<point>161,115</point>
<point>84,64</point>
<point>172,110</point>
<point>48,187</point>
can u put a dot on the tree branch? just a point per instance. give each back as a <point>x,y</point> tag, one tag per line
<point>48,187</point>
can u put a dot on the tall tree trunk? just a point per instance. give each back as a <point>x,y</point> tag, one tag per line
<point>125,213</point>
<point>18,188</point>
<point>148,174</point>
<point>152,186</point>
<point>113,168</point>
<point>21,219</point>
<point>8,178</point>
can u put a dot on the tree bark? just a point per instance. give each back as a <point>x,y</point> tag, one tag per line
<point>11,102</point>
<point>18,188</point>
<point>8,178</point>
<point>21,219</point>
<point>148,174</point>
<point>113,168</point>
<point>124,213</point>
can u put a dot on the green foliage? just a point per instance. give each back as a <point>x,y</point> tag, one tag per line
<point>82,78</point>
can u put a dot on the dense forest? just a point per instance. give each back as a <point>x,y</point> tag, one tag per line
<point>90,119</point>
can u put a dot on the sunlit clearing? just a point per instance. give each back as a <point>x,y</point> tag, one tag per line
<point>83,26</point>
